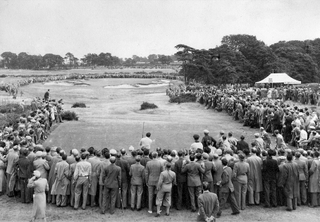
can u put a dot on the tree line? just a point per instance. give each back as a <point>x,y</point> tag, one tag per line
<point>50,61</point>
<point>245,59</point>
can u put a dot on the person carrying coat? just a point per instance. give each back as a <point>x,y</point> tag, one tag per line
<point>40,186</point>
<point>166,180</point>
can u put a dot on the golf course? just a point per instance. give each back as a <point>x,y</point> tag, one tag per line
<point>113,119</point>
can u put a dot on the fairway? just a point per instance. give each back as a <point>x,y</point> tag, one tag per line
<point>113,118</point>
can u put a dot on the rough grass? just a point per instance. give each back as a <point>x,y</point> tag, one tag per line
<point>146,105</point>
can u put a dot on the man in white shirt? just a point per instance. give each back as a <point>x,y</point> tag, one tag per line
<point>146,141</point>
<point>197,144</point>
<point>303,134</point>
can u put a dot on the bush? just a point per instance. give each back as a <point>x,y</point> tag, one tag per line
<point>183,98</point>
<point>69,115</point>
<point>10,114</point>
<point>146,105</point>
<point>79,105</point>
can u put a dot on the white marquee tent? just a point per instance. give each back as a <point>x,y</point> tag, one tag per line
<point>279,78</point>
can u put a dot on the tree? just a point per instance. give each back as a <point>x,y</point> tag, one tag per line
<point>10,60</point>
<point>70,59</point>
<point>50,61</point>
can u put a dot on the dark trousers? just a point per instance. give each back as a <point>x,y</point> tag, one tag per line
<point>302,197</point>
<point>109,199</point>
<point>144,198</point>
<point>194,193</point>
<point>228,197</point>
<point>280,196</point>
<point>9,193</point>
<point>270,190</point>
<point>216,189</point>
<point>291,203</point>
<point>181,195</point>
<point>25,191</point>
<point>124,193</point>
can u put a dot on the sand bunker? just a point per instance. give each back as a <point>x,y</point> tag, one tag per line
<point>58,84</point>
<point>66,83</point>
<point>158,83</point>
<point>122,86</point>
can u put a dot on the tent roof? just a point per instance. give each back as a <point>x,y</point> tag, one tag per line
<point>279,78</point>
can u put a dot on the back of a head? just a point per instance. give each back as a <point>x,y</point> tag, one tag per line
<point>112,159</point>
<point>83,156</point>
<point>77,158</point>
<point>107,155</point>
<point>180,153</point>
<point>230,134</point>
<point>146,152</point>
<point>254,150</point>
<point>154,155</point>
<point>64,157</point>
<point>198,156</point>
<point>224,161</point>
<point>297,154</point>
<point>205,186</point>
<point>196,137</point>
<point>242,137</point>
<point>91,150</point>
<point>138,159</point>
<point>270,152</point>
<point>241,157</point>
<point>134,153</point>
<point>289,157</point>
<point>192,157</point>
<point>148,134</point>
<point>24,152</point>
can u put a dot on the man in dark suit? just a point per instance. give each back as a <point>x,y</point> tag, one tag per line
<point>125,168</point>
<point>217,174</point>
<point>270,169</point>
<point>209,168</point>
<point>24,173</point>
<point>194,171</point>
<point>111,176</point>
<point>303,175</point>
<point>290,182</point>
<point>144,160</point>
<point>208,205</point>
<point>152,174</point>
<point>227,190</point>
<point>242,145</point>
<point>181,180</point>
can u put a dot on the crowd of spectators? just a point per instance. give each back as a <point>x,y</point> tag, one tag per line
<point>274,109</point>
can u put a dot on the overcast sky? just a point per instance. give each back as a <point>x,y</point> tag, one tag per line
<point>142,27</point>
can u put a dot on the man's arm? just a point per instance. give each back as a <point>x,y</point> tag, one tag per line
<point>147,173</point>
<point>160,181</point>
<point>119,178</point>
<point>201,208</point>
<point>76,172</point>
